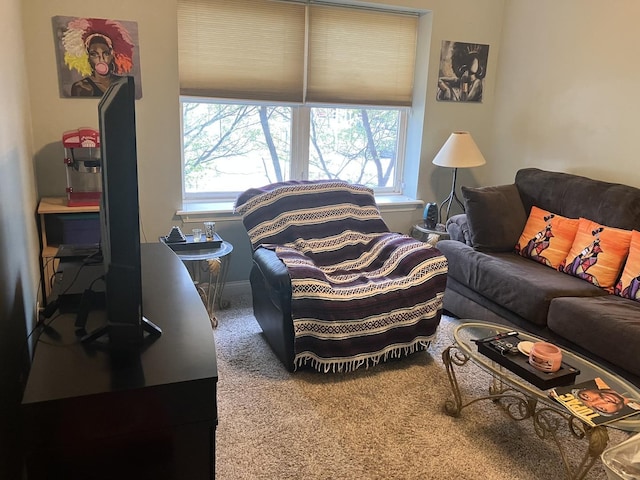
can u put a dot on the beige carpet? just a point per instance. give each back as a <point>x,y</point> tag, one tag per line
<point>386,422</point>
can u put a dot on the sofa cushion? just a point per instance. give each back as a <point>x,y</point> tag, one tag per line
<point>629,284</point>
<point>496,217</point>
<point>574,196</point>
<point>547,237</point>
<point>608,326</point>
<point>597,254</point>
<point>520,285</point>
<point>458,228</point>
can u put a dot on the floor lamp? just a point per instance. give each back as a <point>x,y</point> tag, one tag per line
<point>459,151</point>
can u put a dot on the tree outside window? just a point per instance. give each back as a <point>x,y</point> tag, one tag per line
<point>228,148</point>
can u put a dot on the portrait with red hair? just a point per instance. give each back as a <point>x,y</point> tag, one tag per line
<point>95,52</point>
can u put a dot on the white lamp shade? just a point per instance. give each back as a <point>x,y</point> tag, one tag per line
<point>459,151</point>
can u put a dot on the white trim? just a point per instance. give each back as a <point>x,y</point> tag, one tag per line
<point>198,212</point>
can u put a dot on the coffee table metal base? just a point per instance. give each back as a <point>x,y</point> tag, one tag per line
<point>547,421</point>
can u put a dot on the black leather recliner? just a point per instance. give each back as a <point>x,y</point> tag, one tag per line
<point>271,292</point>
<point>332,287</point>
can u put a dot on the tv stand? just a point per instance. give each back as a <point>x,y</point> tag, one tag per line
<point>143,413</point>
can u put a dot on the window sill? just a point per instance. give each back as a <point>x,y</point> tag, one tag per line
<point>197,212</point>
<point>203,211</point>
<point>397,203</point>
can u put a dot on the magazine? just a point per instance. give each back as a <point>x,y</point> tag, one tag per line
<point>594,402</point>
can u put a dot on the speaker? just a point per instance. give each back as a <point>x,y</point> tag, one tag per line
<point>430,215</point>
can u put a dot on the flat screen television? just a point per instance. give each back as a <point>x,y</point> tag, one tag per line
<point>119,219</point>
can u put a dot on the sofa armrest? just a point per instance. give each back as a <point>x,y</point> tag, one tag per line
<point>458,228</point>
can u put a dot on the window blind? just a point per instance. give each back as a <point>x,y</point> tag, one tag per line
<point>243,49</point>
<point>268,50</point>
<point>360,56</point>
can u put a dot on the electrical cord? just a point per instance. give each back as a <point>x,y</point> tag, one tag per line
<point>40,325</point>
<point>75,277</point>
<point>53,306</point>
<point>86,303</point>
<point>45,326</point>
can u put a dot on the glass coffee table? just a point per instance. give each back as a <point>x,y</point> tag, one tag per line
<point>521,400</point>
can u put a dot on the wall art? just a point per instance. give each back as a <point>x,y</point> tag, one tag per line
<point>93,52</point>
<point>463,67</point>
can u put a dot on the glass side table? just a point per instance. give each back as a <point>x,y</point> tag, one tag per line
<point>208,268</point>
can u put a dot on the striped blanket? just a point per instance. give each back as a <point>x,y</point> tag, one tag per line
<point>360,294</point>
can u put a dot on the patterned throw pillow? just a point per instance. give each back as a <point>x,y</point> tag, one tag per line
<point>547,237</point>
<point>597,254</point>
<point>629,284</point>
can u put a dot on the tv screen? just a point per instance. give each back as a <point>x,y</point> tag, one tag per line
<point>119,215</point>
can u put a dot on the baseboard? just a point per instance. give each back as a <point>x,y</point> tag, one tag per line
<point>236,289</point>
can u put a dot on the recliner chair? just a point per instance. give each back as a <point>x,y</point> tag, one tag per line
<point>332,288</point>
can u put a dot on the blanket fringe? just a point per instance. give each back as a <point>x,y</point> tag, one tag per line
<point>346,365</point>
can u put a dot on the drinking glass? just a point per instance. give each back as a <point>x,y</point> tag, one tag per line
<point>209,230</point>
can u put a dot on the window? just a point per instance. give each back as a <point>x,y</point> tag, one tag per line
<point>359,145</point>
<point>279,90</point>
<point>228,148</point>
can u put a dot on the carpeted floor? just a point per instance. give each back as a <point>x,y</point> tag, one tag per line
<point>386,422</point>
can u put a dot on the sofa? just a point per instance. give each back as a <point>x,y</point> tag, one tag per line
<point>490,279</point>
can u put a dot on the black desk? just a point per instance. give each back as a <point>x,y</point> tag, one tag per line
<point>89,414</point>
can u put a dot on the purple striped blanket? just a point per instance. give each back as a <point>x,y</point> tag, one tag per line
<point>360,294</point>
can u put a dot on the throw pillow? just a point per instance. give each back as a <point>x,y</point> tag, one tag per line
<point>597,254</point>
<point>629,284</point>
<point>547,237</point>
<point>496,217</point>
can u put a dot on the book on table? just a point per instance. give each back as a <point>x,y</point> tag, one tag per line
<point>595,403</point>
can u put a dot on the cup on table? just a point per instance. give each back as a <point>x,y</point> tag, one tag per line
<point>209,230</point>
<point>197,234</point>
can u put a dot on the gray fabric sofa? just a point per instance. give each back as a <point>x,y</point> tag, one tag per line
<point>487,280</point>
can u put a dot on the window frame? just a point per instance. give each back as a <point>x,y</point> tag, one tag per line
<point>299,148</point>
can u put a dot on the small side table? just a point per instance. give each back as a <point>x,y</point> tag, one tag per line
<point>428,235</point>
<point>213,264</point>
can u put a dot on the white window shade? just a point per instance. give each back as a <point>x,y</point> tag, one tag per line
<point>360,56</point>
<point>259,50</point>
<point>248,49</point>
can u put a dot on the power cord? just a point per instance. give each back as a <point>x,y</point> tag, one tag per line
<point>43,326</point>
<point>52,306</point>
<point>86,302</point>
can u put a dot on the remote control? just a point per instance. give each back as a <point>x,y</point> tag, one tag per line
<point>504,347</point>
<point>499,336</point>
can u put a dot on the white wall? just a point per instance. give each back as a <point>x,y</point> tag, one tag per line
<point>19,271</point>
<point>473,22</point>
<point>566,92</point>
<point>157,112</point>
<point>158,121</point>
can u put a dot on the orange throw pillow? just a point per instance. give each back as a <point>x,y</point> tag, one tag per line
<point>629,284</point>
<point>597,254</point>
<point>547,237</point>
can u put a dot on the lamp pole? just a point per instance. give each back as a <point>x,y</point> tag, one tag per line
<point>449,200</point>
